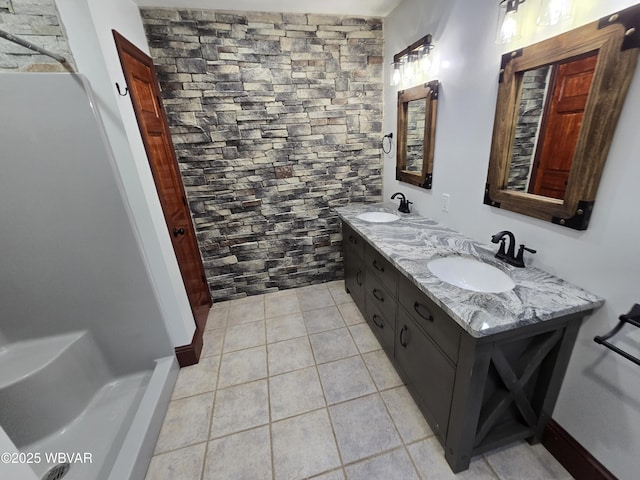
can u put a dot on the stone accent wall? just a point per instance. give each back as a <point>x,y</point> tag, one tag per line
<point>534,90</point>
<point>38,22</point>
<point>276,118</point>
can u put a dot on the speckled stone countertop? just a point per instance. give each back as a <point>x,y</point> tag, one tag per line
<point>412,241</point>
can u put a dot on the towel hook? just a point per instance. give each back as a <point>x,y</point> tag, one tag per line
<point>126,90</point>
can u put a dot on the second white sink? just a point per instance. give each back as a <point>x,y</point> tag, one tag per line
<point>471,274</point>
<point>378,217</point>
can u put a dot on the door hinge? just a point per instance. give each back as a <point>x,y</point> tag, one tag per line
<point>184,200</point>
<point>204,279</point>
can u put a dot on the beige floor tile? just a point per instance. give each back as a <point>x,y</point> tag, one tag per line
<point>365,340</point>
<point>363,428</point>
<point>242,366</point>
<point>185,464</point>
<point>196,379</point>
<point>534,463</point>
<point>285,328</point>
<point>314,297</point>
<point>281,303</point>
<point>381,369</point>
<point>304,446</point>
<point>240,408</point>
<point>345,379</point>
<point>294,393</point>
<point>289,355</point>
<point>323,319</point>
<point>218,315</point>
<point>428,458</point>
<point>212,342</point>
<point>334,475</point>
<point>338,292</point>
<point>351,314</point>
<point>186,423</point>
<point>249,309</point>
<point>246,335</point>
<point>406,415</point>
<point>332,345</point>
<point>243,456</point>
<point>392,465</point>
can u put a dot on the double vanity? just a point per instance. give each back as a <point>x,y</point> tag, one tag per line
<point>481,345</point>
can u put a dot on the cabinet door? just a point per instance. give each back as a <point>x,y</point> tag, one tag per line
<point>354,273</point>
<point>431,318</point>
<point>353,254</point>
<point>382,326</point>
<point>429,374</point>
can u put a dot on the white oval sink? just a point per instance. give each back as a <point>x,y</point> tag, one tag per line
<point>471,274</point>
<point>378,217</point>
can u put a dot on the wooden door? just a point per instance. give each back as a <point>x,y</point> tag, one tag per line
<point>144,91</point>
<point>563,121</point>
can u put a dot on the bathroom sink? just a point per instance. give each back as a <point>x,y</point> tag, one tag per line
<point>378,217</point>
<point>471,274</point>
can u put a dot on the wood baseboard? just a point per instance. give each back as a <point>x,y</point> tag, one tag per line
<point>190,354</point>
<point>573,456</point>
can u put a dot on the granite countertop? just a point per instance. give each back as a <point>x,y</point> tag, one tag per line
<point>411,242</point>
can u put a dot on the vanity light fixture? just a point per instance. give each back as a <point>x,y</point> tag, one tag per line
<point>412,64</point>
<point>508,25</point>
<point>553,12</point>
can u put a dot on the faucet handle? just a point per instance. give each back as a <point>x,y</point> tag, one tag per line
<point>519,260</point>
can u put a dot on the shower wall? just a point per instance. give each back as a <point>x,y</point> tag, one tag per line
<point>276,118</point>
<point>69,255</point>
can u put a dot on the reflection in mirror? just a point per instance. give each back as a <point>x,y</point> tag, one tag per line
<point>416,134</point>
<point>552,103</point>
<point>557,107</point>
<point>416,112</point>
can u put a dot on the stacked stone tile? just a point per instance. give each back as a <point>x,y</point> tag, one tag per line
<point>276,119</point>
<point>36,21</point>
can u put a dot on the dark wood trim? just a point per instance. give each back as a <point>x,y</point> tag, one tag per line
<point>573,456</point>
<point>190,354</point>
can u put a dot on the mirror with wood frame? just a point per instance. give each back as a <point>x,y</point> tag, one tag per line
<point>417,108</point>
<point>558,104</point>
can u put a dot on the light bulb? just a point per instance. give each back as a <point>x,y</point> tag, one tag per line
<point>553,12</point>
<point>425,60</point>
<point>410,69</point>
<point>396,76</point>
<point>509,27</point>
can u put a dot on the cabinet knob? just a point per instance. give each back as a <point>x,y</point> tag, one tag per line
<point>178,231</point>
<point>353,239</point>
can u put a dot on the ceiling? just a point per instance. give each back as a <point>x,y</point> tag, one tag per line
<point>367,8</point>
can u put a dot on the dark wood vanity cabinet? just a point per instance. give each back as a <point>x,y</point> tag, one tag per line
<point>476,393</point>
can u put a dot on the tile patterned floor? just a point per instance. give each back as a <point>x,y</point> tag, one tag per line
<point>294,385</point>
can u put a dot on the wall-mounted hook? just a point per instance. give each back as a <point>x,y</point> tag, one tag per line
<point>126,90</point>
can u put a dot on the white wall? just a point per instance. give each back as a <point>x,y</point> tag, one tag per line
<point>88,24</point>
<point>600,400</point>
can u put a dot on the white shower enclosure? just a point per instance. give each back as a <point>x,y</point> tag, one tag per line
<point>86,365</point>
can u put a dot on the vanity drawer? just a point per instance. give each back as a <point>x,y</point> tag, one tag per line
<point>352,242</point>
<point>383,269</point>
<point>435,323</point>
<point>382,327</point>
<point>378,296</point>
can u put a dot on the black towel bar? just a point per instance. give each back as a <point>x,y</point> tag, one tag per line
<point>633,317</point>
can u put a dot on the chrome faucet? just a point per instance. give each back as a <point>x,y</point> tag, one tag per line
<point>404,203</point>
<point>509,255</point>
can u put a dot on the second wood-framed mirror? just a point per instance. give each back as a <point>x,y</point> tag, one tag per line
<point>557,108</point>
<point>417,109</point>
